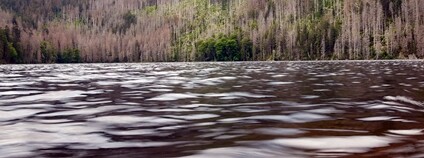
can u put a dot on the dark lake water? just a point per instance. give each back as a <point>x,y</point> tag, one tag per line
<point>213,110</point>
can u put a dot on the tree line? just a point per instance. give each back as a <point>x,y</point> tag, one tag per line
<point>67,31</point>
<point>11,50</point>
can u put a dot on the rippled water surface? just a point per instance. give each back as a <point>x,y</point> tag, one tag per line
<point>213,110</point>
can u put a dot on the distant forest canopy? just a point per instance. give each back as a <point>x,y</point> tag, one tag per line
<point>67,31</point>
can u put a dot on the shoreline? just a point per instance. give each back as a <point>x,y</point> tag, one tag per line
<point>283,61</point>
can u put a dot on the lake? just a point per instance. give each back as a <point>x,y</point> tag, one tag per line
<point>210,110</point>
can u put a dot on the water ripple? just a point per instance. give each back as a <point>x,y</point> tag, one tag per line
<point>251,109</point>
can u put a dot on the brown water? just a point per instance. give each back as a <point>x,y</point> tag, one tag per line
<point>255,109</point>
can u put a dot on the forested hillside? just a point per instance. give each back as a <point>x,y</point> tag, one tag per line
<point>63,31</point>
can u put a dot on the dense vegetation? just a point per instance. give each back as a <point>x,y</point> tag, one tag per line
<point>9,41</point>
<point>224,48</point>
<point>67,31</point>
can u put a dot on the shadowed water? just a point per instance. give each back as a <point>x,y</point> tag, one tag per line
<point>197,110</point>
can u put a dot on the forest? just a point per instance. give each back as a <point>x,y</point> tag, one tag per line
<point>73,31</point>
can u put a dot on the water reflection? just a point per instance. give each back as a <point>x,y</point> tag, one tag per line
<point>257,109</point>
<point>347,144</point>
